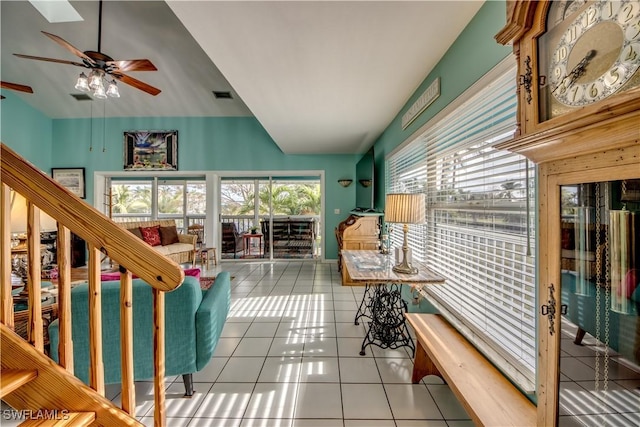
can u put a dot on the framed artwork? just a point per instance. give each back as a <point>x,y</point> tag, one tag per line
<point>70,178</point>
<point>151,150</point>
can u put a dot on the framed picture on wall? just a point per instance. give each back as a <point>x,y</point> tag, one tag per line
<point>151,150</point>
<point>70,178</point>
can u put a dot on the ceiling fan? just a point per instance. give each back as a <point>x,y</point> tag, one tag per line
<point>15,86</point>
<point>101,64</point>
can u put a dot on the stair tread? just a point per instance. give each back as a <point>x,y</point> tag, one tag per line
<point>12,379</point>
<point>62,418</point>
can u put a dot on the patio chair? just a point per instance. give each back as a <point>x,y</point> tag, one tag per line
<point>231,239</point>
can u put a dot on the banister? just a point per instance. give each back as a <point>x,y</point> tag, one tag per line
<point>88,223</point>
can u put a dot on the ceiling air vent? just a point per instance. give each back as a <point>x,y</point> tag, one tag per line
<point>81,97</point>
<point>222,94</point>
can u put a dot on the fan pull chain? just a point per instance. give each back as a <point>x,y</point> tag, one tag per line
<point>104,125</point>
<point>91,129</point>
<point>598,285</point>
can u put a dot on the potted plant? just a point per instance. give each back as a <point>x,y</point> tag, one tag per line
<point>254,229</point>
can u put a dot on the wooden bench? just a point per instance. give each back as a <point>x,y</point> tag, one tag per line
<point>489,398</point>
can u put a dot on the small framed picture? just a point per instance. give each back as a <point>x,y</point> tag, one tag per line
<point>70,178</point>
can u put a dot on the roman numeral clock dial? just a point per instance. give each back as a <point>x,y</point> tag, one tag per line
<point>590,51</point>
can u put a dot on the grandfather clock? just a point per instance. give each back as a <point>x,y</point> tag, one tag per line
<point>579,121</point>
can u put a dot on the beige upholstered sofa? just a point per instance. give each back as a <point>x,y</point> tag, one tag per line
<point>181,251</point>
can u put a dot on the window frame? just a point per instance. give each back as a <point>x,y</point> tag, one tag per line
<point>409,168</point>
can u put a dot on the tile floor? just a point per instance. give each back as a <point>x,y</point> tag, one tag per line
<point>580,403</point>
<point>288,357</point>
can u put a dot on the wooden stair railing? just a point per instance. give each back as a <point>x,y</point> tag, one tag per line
<point>102,236</point>
<point>46,394</point>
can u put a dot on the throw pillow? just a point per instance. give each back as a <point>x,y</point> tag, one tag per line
<point>136,232</point>
<point>169,235</point>
<point>151,235</point>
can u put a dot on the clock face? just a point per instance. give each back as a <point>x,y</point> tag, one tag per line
<point>591,51</point>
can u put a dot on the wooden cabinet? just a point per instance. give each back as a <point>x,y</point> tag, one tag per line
<point>578,121</point>
<point>357,233</point>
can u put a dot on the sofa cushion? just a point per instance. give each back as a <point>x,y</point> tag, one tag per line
<point>151,235</point>
<point>174,248</point>
<point>169,235</point>
<point>136,232</point>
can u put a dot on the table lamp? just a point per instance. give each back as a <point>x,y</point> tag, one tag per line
<point>405,208</point>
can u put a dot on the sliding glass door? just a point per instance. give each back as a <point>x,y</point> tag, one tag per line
<point>270,217</point>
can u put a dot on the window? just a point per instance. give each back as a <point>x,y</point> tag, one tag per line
<point>153,198</point>
<point>131,200</point>
<point>480,221</point>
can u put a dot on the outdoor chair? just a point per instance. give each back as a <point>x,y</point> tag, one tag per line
<point>231,239</point>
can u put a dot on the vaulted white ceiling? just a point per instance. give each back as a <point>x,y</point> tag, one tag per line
<point>320,76</point>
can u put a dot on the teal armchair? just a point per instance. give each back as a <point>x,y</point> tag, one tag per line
<point>193,323</point>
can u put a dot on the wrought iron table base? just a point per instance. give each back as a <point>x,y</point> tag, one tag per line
<point>384,307</point>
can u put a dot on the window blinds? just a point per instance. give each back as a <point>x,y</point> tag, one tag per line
<point>479,221</point>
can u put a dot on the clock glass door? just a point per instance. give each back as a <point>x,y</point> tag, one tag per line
<point>600,291</point>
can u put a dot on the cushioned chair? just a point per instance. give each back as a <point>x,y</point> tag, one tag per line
<point>231,239</point>
<point>194,321</point>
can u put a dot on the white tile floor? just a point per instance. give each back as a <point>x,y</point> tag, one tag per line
<point>288,357</point>
<point>580,403</point>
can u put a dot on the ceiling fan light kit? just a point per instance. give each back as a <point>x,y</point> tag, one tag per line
<point>95,84</point>
<point>104,69</point>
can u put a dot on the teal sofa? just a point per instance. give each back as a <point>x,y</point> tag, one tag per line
<point>624,329</point>
<point>193,323</point>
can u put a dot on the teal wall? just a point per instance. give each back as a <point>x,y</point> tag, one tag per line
<point>26,131</point>
<point>473,54</point>
<point>241,143</point>
<point>204,143</point>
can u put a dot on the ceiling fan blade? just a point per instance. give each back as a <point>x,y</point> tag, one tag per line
<point>40,58</point>
<point>65,44</point>
<point>127,65</point>
<point>15,86</point>
<point>137,84</point>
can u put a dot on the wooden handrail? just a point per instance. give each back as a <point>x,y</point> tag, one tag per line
<point>101,235</point>
<point>89,223</point>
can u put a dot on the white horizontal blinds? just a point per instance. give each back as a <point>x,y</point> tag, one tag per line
<point>479,219</point>
<point>406,173</point>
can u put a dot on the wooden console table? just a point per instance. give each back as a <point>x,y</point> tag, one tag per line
<point>382,303</point>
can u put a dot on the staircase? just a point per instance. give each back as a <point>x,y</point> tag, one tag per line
<point>41,391</point>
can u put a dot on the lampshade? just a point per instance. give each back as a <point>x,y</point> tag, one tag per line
<point>82,84</point>
<point>19,216</point>
<point>404,208</point>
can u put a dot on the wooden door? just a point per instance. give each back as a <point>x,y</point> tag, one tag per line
<point>566,393</point>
